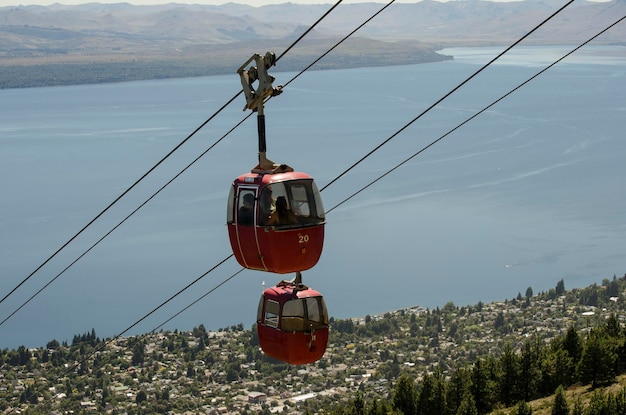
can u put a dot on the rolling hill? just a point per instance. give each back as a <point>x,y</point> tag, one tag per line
<point>94,42</point>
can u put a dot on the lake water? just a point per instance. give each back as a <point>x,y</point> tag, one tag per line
<point>530,192</point>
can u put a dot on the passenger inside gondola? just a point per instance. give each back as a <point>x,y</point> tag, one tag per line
<point>246,211</point>
<point>282,215</point>
<point>267,205</point>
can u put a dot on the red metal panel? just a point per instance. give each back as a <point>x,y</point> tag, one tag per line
<point>244,245</point>
<point>291,250</point>
<point>293,347</point>
<point>282,251</point>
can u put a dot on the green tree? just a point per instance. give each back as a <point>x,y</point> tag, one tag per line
<point>405,395</point>
<point>432,397</point>
<point>612,289</point>
<point>379,407</point>
<point>529,373</point>
<point>597,362</point>
<point>598,404</point>
<point>556,368</point>
<point>560,287</point>
<point>141,396</point>
<point>509,363</point>
<point>458,386</point>
<point>578,408</point>
<point>560,406</point>
<point>572,344</point>
<point>499,321</point>
<point>468,406</point>
<point>24,355</point>
<point>52,344</point>
<point>612,326</point>
<point>523,408</point>
<point>358,405</point>
<point>29,395</point>
<point>483,387</point>
<point>138,354</point>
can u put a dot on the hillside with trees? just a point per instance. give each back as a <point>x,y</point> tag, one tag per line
<point>556,352</point>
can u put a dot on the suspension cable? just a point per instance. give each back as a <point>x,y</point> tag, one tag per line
<point>447,95</point>
<point>472,117</point>
<point>156,165</point>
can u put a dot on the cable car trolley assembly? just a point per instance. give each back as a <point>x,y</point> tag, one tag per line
<point>275,221</point>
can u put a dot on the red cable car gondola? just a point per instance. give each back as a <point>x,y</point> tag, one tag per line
<point>292,323</point>
<point>275,222</point>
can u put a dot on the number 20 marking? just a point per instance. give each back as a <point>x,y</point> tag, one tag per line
<point>303,239</point>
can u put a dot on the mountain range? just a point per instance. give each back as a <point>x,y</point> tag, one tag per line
<point>217,38</point>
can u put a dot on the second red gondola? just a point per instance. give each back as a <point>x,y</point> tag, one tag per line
<point>292,323</point>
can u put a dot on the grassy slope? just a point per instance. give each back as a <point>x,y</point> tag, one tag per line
<point>543,406</point>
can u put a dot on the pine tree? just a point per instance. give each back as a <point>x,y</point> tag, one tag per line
<point>432,399</point>
<point>483,386</point>
<point>560,287</point>
<point>578,408</point>
<point>358,405</point>
<point>597,362</point>
<point>560,406</point>
<point>138,354</point>
<point>141,396</point>
<point>405,396</point>
<point>381,407</point>
<point>572,344</point>
<point>509,363</point>
<point>458,387</point>
<point>523,408</point>
<point>597,404</point>
<point>529,370</point>
<point>468,406</point>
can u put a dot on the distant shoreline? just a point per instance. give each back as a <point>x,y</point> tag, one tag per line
<point>81,70</point>
<point>97,43</point>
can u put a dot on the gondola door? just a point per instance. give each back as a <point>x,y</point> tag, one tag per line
<point>245,229</point>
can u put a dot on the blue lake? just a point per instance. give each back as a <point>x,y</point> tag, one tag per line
<point>531,191</point>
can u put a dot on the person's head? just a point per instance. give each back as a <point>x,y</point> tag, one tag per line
<point>266,194</point>
<point>281,204</point>
<point>248,199</point>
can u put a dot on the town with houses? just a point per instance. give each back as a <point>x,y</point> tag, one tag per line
<point>224,372</point>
